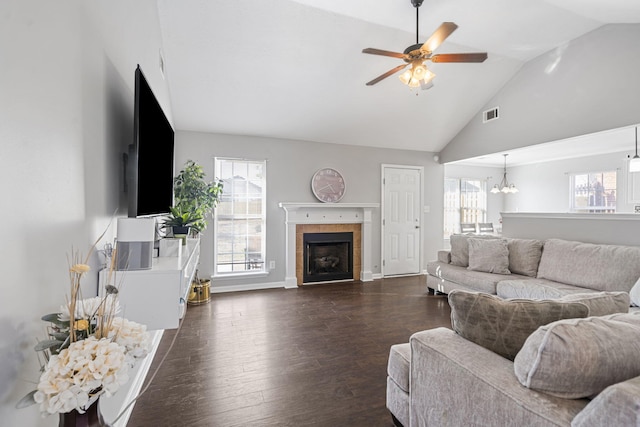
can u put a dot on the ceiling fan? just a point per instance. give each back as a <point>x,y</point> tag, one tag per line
<point>418,54</point>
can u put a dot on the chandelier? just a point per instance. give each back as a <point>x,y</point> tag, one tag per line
<point>634,163</point>
<point>504,186</point>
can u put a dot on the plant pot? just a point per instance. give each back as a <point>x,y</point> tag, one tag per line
<point>200,292</point>
<point>180,231</point>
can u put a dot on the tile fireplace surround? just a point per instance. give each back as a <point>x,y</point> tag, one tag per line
<point>328,217</point>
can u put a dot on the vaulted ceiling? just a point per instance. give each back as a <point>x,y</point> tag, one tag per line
<point>294,69</point>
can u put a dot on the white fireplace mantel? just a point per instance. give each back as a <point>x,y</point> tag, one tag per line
<point>327,213</point>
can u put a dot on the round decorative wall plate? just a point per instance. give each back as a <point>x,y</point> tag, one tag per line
<point>328,185</point>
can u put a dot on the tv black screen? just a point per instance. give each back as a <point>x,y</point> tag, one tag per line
<point>150,185</point>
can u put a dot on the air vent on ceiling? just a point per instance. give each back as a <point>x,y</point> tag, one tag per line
<point>489,115</point>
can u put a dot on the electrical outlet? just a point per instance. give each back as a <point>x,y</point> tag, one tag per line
<point>272,265</point>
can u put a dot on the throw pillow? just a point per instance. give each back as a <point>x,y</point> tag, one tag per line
<point>601,303</point>
<point>579,358</point>
<point>503,326</point>
<point>491,256</point>
<point>460,248</point>
<point>524,256</point>
<point>617,405</point>
<point>634,294</point>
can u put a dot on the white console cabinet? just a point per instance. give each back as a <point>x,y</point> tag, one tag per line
<point>157,297</point>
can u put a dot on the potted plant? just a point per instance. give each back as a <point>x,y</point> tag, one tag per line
<point>180,221</point>
<point>194,199</point>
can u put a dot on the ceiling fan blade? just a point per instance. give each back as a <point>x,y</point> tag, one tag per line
<point>459,57</point>
<point>373,51</point>
<point>387,74</point>
<point>439,35</point>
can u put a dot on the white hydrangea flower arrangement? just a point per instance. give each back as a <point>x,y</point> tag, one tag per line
<point>88,352</point>
<point>72,377</point>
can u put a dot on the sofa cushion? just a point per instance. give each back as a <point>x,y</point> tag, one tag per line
<point>399,365</point>
<point>476,280</point>
<point>601,303</point>
<point>524,256</point>
<point>489,255</point>
<point>460,248</point>
<point>598,267</point>
<point>617,405</point>
<point>577,358</point>
<point>536,289</point>
<point>502,326</point>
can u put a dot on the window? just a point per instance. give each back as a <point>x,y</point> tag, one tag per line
<point>465,201</point>
<point>593,192</point>
<point>240,217</point>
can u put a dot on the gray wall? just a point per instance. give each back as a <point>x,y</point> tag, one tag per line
<point>290,166</point>
<point>589,85</point>
<point>66,81</point>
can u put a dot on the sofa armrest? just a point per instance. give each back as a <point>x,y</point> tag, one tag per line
<point>616,405</point>
<point>456,382</point>
<point>444,256</point>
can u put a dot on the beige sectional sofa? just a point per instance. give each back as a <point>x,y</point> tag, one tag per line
<point>533,341</point>
<point>528,268</point>
<point>497,367</point>
<point>455,382</point>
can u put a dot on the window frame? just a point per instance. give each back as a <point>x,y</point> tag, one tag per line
<point>219,217</point>
<point>595,209</point>
<point>458,204</point>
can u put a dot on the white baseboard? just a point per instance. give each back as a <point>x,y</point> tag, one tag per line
<point>247,287</point>
<point>258,286</point>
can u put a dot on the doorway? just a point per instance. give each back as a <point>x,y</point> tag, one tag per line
<point>401,219</point>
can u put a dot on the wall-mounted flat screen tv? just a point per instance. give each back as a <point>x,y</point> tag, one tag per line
<point>150,165</point>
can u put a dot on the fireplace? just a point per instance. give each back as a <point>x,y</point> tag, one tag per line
<point>303,218</point>
<point>327,257</point>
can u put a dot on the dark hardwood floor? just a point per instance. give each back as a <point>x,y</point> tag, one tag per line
<point>312,356</point>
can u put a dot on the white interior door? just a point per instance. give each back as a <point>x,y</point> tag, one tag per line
<point>402,221</point>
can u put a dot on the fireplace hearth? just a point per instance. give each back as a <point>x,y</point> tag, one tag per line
<point>327,257</point>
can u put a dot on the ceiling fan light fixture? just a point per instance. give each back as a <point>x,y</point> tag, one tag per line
<point>428,76</point>
<point>426,85</point>
<point>419,71</point>
<point>408,78</point>
<point>418,76</point>
<point>405,77</point>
